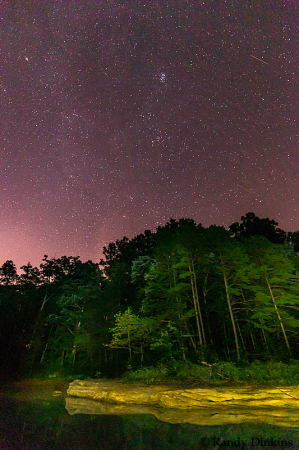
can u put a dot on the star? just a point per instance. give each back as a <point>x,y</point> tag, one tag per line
<point>133,113</point>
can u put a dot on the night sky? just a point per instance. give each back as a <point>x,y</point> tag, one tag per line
<point>119,115</point>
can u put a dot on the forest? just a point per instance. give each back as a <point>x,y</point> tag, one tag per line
<point>183,294</point>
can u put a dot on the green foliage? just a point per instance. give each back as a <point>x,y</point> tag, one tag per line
<point>148,375</point>
<point>167,300</point>
<point>275,372</point>
<point>271,372</point>
<point>131,332</point>
<point>140,269</point>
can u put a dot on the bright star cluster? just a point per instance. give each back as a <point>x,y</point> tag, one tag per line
<point>119,115</point>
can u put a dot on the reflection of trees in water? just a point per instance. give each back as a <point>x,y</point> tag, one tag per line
<point>47,425</point>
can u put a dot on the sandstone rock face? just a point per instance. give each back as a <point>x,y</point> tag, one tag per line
<point>198,416</point>
<point>213,405</point>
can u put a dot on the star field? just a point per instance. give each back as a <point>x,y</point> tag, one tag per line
<point>118,115</point>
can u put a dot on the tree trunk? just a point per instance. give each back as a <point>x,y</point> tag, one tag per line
<point>241,337</point>
<point>74,346</point>
<point>231,311</point>
<point>252,341</point>
<point>278,315</point>
<point>46,346</point>
<point>205,293</point>
<point>225,337</point>
<point>265,338</point>
<point>197,303</point>
<point>179,314</point>
<point>130,350</point>
<point>197,316</point>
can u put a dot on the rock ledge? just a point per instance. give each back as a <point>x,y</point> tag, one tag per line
<point>167,397</point>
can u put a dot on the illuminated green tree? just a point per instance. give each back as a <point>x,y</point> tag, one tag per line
<point>276,288</point>
<point>132,332</point>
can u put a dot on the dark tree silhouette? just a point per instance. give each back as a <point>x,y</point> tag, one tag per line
<point>8,273</point>
<point>252,225</point>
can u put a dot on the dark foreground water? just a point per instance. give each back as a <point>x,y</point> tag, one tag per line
<point>44,423</point>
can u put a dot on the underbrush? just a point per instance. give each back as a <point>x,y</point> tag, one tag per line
<point>270,372</point>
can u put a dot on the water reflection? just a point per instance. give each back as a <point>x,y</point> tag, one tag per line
<point>214,415</point>
<point>45,423</point>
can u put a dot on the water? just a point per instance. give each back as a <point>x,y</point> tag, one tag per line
<point>43,422</point>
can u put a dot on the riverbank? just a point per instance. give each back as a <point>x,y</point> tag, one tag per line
<point>267,373</point>
<point>200,405</point>
<point>37,419</point>
<point>37,388</point>
<point>67,387</point>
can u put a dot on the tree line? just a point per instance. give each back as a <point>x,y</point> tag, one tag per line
<point>183,292</point>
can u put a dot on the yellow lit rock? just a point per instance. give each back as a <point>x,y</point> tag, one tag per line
<point>56,393</point>
<point>209,406</point>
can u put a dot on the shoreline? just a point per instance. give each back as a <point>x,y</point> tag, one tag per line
<point>35,382</point>
<point>209,405</point>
